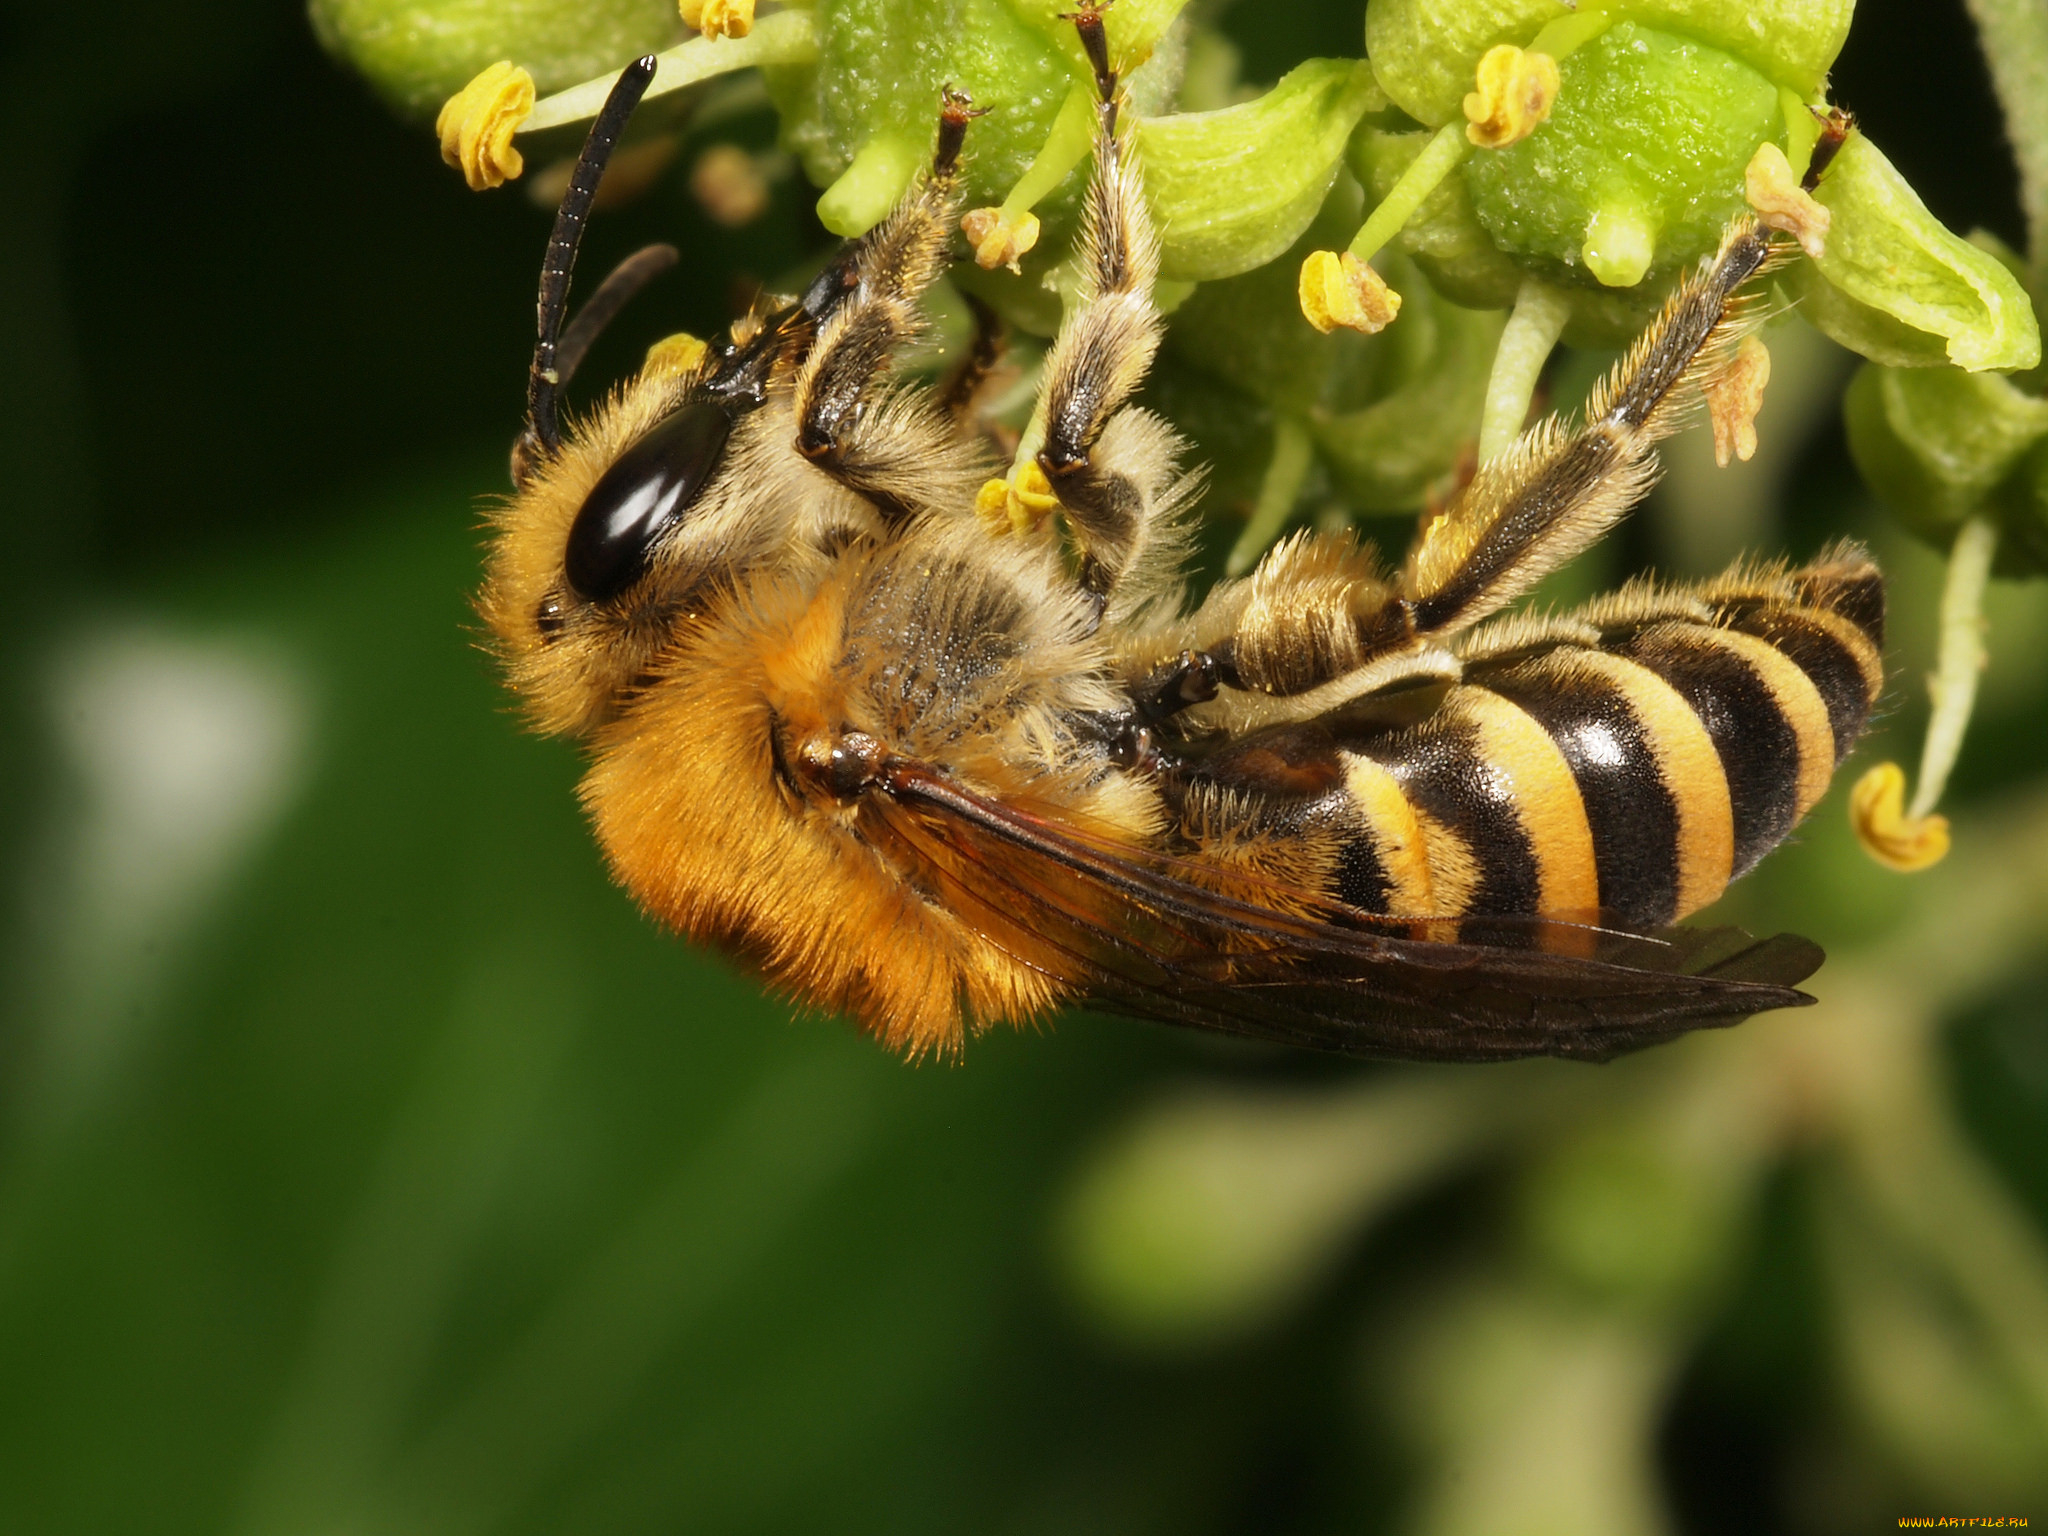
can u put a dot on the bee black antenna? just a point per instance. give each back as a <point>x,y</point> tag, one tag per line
<point>602,307</point>
<point>545,379</point>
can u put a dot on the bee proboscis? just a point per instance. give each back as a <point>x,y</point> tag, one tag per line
<point>936,775</point>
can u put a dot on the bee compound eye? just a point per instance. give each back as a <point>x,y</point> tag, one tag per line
<point>647,489</point>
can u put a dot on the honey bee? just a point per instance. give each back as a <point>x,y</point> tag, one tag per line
<point>935,775</point>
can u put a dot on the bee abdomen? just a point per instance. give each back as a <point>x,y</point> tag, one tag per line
<point>1636,777</point>
<point>1502,825</point>
<point>1645,767</point>
<point>1784,684</point>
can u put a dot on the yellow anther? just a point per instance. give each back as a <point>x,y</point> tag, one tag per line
<point>992,505</point>
<point>672,356</point>
<point>1342,290</point>
<point>1016,505</point>
<point>1031,499</point>
<point>1781,203</point>
<point>477,124</point>
<point>1516,88</point>
<point>718,18</point>
<point>729,185</point>
<point>998,240</point>
<point>1877,810</point>
<point>1734,395</point>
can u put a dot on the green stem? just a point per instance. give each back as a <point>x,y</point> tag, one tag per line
<point>1293,452</point>
<point>1954,684</point>
<point>1066,146</point>
<point>1441,156</point>
<point>2015,38</point>
<point>787,37</point>
<point>1525,345</point>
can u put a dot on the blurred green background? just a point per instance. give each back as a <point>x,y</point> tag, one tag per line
<point>367,1164</point>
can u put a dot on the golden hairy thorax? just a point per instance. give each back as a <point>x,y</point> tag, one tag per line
<point>705,803</point>
<point>922,754</point>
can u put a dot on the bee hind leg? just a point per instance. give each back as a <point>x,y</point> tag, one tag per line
<point>1109,474</point>
<point>864,308</point>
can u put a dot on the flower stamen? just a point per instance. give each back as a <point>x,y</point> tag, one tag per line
<point>477,123</point>
<point>1342,290</point>
<point>1516,89</point>
<point>1781,203</point>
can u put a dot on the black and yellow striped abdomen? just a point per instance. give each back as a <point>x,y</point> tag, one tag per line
<point>1635,763</point>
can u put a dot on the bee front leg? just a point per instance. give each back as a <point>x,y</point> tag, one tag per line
<point>864,306</point>
<point>1110,486</point>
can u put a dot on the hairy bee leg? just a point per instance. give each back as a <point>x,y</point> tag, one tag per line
<point>1532,509</point>
<point>864,305</point>
<point>1316,609</point>
<point>1103,351</point>
<point>1298,621</point>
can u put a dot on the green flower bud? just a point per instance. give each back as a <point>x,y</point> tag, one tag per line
<point>1387,416</point>
<point>1640,166</point>
<point>1244,331</point>
<point>1444,236</point>
<point>1425,52</point>
<point>879,68</point>
<point>1459,258</point>
<point>1232,189</point>
<point>1134,27</point>
<point>418,53</point>
<point>1936,443</point>
<point>1898,287</point>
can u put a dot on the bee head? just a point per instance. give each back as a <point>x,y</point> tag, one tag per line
<point>625,526</point>
<point>567,591</point>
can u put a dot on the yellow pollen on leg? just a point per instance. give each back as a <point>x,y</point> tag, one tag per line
<point>718,18</point>
<point>1877,810</point>
<point>1516,89</point>
<point>1773,190</point>
<point>477,123</point>
<point>672,356</point>
<point>1342,290</point>
<point>1734,395</point>
<point>999,237</point>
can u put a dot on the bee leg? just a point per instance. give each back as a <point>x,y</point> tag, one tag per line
<point>1317,610</point>
<point>864,305</point>
<point>1192,677</point>
<point>1100,358</point>
<point>1531,509</point>
<point>957,395</point>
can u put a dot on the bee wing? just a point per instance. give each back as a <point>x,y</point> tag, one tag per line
<point>1141,937</point>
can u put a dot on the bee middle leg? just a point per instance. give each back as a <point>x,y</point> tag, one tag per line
<point>1108,475</point>
<point>864,308</point>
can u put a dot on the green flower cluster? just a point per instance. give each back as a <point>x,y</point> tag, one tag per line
<point>1640,143</point>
